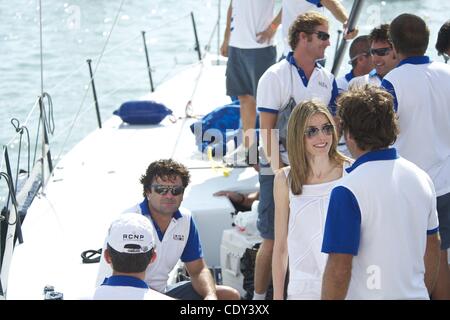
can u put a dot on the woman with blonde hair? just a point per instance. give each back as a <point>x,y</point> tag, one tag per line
<point>301,194</point>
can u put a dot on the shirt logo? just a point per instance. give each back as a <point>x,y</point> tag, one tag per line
<point>323,84</point>
<point>178,237</point>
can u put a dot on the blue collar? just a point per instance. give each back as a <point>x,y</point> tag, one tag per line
<point>383,154</point>
<point>373,73</point>
<point>301,73</point>
<point>415,60</point>
<point>349,76</point>
<point>124,281</point>
<point>146,212</point>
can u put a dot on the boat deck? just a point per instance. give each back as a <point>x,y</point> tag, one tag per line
<point>99,178</point>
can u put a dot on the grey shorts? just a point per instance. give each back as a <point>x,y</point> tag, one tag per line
<point>266,207</point>
<point>443,209</point>
<point>245,67</point>
<point>184,290</point>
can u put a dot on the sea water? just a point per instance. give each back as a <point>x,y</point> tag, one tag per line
<point>74,31</point>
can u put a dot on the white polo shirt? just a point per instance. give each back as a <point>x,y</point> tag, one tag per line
<point>248,18</point>
<point>381,213</point>
<point>126,288</point>
<point>421,91</point>
<point>285,79</point>
<point>291,10</point>
<point>371,78</point>
<point>343,82</point>
<point>180,241</point>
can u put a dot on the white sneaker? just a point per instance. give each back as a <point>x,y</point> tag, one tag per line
<point>238,157</point>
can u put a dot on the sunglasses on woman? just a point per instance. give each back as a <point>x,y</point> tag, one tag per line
<point>380,51</point>
<point>326,129</point>
<point>162,190</point>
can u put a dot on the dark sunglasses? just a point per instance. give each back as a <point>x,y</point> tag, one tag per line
<point>380,51</point>
<point>322,35</point>
<point>162,190</point>
<point>314,131</point>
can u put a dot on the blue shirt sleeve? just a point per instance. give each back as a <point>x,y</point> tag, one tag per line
<point>390,88</point>
<point>343,223</point>
<point>193,249</point>
<point>334,94</point>
<point>316,2</point>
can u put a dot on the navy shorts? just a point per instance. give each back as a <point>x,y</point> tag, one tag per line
<point>183,290</point>
<point>245,67</point>
<point>266,207</point>
<point>443,209</point>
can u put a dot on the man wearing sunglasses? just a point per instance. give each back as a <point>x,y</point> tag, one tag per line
<point>290,9</point>
<point>177,237</point>
<point>360,60</point>
<point>383,57</point>
<point>421,91</point>
<point>294,79</point>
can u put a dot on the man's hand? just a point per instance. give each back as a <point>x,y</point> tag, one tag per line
<point>266,35</point>
<point>224,48</point>
<point>349,35</point>
<point>234,197</point>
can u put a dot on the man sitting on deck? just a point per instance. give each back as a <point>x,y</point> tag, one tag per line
<point>177,237</point>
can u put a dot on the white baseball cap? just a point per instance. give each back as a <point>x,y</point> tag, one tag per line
<point>131,233</point>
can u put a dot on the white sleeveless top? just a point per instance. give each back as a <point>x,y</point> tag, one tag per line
<point>305,234</point>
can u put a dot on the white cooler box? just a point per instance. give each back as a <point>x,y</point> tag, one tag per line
<point>233,246</point>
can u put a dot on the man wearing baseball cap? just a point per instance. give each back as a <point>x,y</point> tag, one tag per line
<point>130,249</point>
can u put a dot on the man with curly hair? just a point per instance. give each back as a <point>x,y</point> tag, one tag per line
<point>177,237</point>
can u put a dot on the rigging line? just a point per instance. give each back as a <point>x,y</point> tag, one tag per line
<point>109,36</point>
<point>208,44</point>
<point>31,111</point>
<point>189,103</point>
<point>120,45</point>
<point>2,159</point>
<point>95,70</point>
<point>91,105</point>
<point>147,31</point>
<point>40,46</point>
<point>14,137</point>
<point>8,180</point>
<point>82,65</point>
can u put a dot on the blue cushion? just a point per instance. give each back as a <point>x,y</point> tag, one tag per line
<point>142,112</point>
<point>225,119</point>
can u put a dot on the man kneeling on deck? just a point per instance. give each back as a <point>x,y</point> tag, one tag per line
<point>177,237</point>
